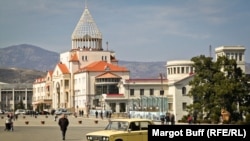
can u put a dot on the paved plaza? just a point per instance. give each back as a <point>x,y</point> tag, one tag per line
<point>49,131</point>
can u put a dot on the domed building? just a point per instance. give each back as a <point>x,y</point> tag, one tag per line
<point>88,78</point>
<point>83,74</point>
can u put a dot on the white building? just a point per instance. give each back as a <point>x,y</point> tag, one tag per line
<point>13,94</point>
<point>89,78</point>
<point>84,73</point>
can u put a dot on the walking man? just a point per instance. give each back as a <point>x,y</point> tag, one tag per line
<point>63,123</point>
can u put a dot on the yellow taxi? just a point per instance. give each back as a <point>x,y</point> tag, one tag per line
<point>122,130</point>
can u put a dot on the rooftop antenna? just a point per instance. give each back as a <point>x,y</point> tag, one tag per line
<point>107,43</point>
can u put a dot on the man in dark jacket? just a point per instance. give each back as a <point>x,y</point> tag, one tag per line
<point>63,123</point>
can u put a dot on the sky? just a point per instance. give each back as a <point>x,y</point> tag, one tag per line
<point>137,30</point>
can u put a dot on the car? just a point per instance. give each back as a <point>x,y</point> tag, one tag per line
<point>2,111</point>
<point>31,112</point>
<point>20,112</point>
<point>44,113</point>
<point>122,130</point>
<point>61,111</point>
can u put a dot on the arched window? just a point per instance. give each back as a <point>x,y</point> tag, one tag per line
<point>184,90</point>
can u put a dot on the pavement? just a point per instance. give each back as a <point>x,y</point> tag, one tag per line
<point>35,130</point>
<point>49,130</point>
<point>49,120</point>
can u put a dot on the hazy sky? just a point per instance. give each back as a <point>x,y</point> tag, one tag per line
<point>137,30</point>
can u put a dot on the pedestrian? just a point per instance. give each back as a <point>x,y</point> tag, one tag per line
<point>101,115</point>
<point>172,119</point>
<point>55,118</point>
<point>63,122</point>
<point>12,118</point>
<point>96,114</point>
<point>189,119</point>
<point>110,114</point>
<point>16,116</point>
<point>8,123</point>
<point>167,118</point>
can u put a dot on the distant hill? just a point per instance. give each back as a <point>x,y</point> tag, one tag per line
<point>25,63</point>
<point>17,75</point>
<point>27,59</point>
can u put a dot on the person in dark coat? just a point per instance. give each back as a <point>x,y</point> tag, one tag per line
<point>63,122</point>
<point>8,123</point>
<point>172,119</point>
<point>167,118</point>
<point>96,114</point>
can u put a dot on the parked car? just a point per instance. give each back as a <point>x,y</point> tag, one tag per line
<point>62,111</point>
<point>2,111</point>
<point>20,112</point>
<point>44,113</point>
<point>31,112</point>
<point>122,129</point>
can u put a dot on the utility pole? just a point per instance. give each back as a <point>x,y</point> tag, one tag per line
<point>128,108</point>
<point>161,92</point>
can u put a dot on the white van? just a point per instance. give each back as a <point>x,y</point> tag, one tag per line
<point>20,112</point>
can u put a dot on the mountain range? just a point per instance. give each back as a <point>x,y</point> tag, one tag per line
<point>24,63</point>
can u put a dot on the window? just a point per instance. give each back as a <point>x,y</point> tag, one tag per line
<point>184,90</point>
<point>141,91</point>
<point>132,92</point>
<point>84,58</point>
<point>151,91</point>
<point>184,106</point>
<point>169,71</point>
<point>134,126</point>
<point>144,125</point>
<point>240,56</point>
<point>66,83</point>
<point>182,70</point>
<point>187,69</point>
<point>232,56</point>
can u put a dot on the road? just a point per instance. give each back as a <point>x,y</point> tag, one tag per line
<point>35,131</point>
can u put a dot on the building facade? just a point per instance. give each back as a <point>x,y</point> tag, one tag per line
<point>84,73</point>
<point>15,95</point>
<point>89,78</point>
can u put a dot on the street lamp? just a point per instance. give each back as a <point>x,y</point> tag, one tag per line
<point>128,100</point>
<point>161,92</point>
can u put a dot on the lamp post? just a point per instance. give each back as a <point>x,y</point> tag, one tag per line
<point>128,100</point>
<point>161,92</point>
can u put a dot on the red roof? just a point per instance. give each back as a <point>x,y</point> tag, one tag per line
<point>63,68</point>
<point>108,75</point>
<point>103,66</point>
<point>74,58</point>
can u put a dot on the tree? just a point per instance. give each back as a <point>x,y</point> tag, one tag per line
<point>218,85</point>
